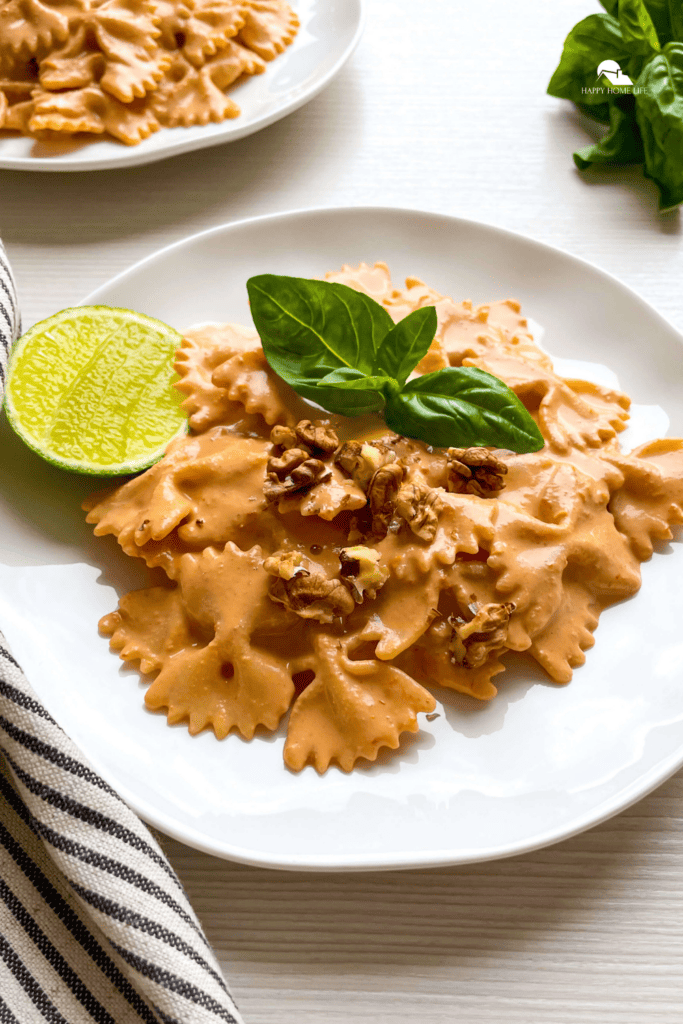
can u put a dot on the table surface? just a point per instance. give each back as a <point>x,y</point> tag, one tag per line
<point>442,107</point>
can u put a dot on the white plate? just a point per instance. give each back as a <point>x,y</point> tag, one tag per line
<point>329,33</point>
<point>535,765</point>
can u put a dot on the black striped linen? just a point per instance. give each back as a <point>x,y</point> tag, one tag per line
<point>94,923</point>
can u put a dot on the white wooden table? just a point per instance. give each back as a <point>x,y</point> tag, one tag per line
<point>443,107</point>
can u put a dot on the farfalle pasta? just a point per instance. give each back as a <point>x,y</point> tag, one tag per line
<point>130,67</point>
<point>333,568</point>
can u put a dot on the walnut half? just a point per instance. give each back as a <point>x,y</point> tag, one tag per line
<point>420,507</point>
<point>474,471</point>
<point>306,589</point>
<point>472,642</point>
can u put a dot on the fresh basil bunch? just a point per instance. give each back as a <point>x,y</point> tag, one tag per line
<point>340,349</point>
<point>645,120</point>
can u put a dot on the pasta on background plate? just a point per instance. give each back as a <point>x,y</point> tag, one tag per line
<point>340,570</point>
<point>130,67</point>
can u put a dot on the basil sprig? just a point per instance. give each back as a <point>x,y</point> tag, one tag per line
<point>340,349</point>
<point>645,120</point>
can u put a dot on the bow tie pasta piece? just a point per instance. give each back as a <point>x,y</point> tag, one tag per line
<point>30,28</point>
<point>72,67</point>
<point>430,661</point>
<point>248,379</point>
<point>189,96</point>
<point>559,647</point>
<point>203,349</point>
<point>650,501</point>
<point>208,26</point>
<point>206,490</point>
<point>269,27</point>
<point>334,494</point>
<point>537,562</point>
<point>351,710</point>
<point>221,680</point>
<point>374,281</point>
<point>126,32</point>
<point>571,414</point>
<point>91,110</point>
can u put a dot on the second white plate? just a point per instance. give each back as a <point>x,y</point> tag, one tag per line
<point>328,35</point>
<point>538,763</point>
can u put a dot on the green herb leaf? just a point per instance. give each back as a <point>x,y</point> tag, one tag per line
<point>598,111</point>
<point>611,6</point>
<point>328,343</point>
<point>406,344</point>
<point>621,145</point>
<point>330,324</point>
<point>661,18</point>
<point>463,406</point>
<point>310,328</point>
<point>636,27</point>
<point>598,37</point>
<point>353,380</point>
<point>659,113</point>
<point>675,20</point>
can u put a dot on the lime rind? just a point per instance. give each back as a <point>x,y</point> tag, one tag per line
<point>90,390</point>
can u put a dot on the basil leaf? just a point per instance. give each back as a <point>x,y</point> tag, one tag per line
<point>598,37</point>
<point>636,26</point>
<point>463,406</point>
<point>661,19</point>
<point>598,111</point>
<point>353,380</point>
<point>659,113</point>
<point>676,19</point>
<point>329,324</point>
<point>309,328</point>
<point>621,145</point>
<point>658,11</point>
<point>406,344</point>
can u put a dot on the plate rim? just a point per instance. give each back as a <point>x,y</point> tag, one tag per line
<point>634,791</point>
<point>131,157</point>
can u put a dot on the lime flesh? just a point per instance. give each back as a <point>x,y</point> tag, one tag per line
<point>91,390</point>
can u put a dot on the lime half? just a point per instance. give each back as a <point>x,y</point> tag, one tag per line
<point>91,390</point>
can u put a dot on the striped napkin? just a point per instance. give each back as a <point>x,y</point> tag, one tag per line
<point>94,923</point>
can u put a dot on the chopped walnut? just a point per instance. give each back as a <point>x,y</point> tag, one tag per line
<point>382,493</point>
<point>420,507</point>
<point>360,567</point>
<point>306,589</point>
<point>318,436</point>
<point>361,460</point>
<point>284,437</point>
<point>474,471</point>
<point>472,642</point>
<point>314,438</point>
<point>293,471</point>
<point>286,564</point>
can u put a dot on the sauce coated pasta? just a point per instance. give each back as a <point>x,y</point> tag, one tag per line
<point>130,67</point>
<point>340,570</point>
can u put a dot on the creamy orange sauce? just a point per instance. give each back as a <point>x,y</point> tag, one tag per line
<point>346,609</point>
